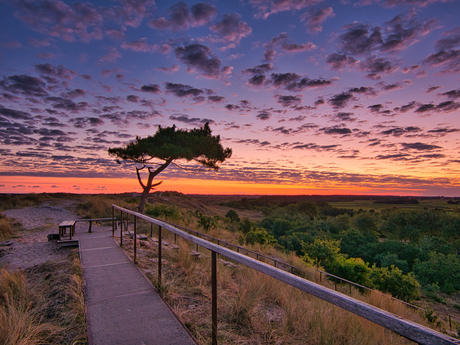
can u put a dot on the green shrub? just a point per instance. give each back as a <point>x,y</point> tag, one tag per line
<point>208,223</point>
<point>259,235</point>
<point>233,216</point>
<point>353,269</point>
<point>441,269</point>
<point>392,280</point>
<point>164,211</point>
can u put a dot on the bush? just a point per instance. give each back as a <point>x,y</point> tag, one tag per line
<point>233,216</point>
<point>392,280</point>
<point>208,223</point>
<point>259,235</point>
<point>323,251</point>
<point>353,269</point>
<point>441,269</point>
<point>162,210</point>
<point>246,225</point>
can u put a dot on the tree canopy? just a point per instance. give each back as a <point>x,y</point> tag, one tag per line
<point>169,145</point>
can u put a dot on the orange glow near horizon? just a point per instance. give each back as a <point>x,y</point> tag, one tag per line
<point>23,184</point>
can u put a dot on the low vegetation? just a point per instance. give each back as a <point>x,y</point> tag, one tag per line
<point>254,308</point>
<point>410,253</point>
<point>43,305</point>
<point>6,228</point>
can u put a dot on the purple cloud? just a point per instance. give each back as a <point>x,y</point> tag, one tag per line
<point>200,58</point>
<point>231,28</point>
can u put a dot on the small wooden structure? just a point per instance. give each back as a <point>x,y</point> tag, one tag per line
<point>67,224</point>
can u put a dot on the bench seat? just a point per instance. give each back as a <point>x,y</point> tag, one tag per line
<point>67,224</point>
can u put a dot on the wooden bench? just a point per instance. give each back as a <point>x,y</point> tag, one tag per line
<point>67,224</point>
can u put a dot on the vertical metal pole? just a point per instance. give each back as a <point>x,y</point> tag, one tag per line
<point>135,238</point>
<point>175,238</point>
<point>159,255</point>
<point>121,228</point>
<point>214,297</point>
<point>274,262</point>
<point>113,221</point>
<point>151,229</point>
<point>320,277</point>
<point>450,323</point>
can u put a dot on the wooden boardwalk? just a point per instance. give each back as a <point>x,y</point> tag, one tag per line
<point>122,305</point>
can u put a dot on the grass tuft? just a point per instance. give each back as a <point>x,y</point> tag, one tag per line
<point>43,305</point>
<point>6,230</point>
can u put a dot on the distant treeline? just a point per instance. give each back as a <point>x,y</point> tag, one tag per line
<point>285,200</point>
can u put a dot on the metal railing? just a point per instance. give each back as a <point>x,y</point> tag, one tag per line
<point>449,316</point>
<point>408,329</point>
<point>239,249</point>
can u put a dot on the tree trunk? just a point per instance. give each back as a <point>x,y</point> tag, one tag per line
<point>150,184</point>
<point>145,193</point>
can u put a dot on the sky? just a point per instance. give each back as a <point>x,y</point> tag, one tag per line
<point>312,96</point>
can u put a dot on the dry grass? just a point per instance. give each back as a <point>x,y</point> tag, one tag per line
<point>95,206</point>
<point>43,305</point>
<point>256,309</point>
<point>9,201</point>
<point>6,229</point>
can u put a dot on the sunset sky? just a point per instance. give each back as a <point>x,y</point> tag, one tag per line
<point>313,96</point>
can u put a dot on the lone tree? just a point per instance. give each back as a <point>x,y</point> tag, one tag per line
<point>168,145</point>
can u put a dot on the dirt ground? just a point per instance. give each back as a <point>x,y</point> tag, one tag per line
<point>30,245</point>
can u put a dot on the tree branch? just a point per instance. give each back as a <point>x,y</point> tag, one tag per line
<point>139,176</point>
<point>161,168</point>
<point>200,168</point>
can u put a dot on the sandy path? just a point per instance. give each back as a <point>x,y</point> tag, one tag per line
<point>32,247</point>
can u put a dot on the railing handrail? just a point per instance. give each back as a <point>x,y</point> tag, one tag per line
<point>406,328</point>
<point>365,287</point>
<point>200,234</point>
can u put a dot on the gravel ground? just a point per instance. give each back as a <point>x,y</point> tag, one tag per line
<point>32,247</point>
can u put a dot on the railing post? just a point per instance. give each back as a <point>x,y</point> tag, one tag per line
<point>214,297</point>
<point>159,255</point>
<point>121,228</point>
<point>113,221</point>
<point>151,229</point>
<point>135,238</point>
